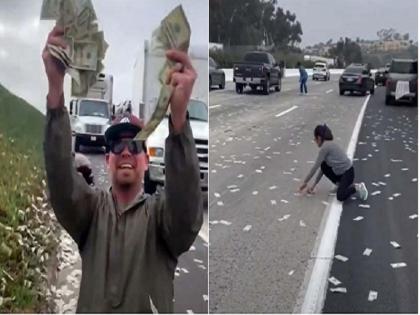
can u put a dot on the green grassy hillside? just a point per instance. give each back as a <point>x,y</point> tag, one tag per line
<point>25,226</point>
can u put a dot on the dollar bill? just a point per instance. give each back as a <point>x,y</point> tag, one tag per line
<point>85,56</point>
<point>373,295</point>
<point>86,46</point>
<point>173,33</point>
<point>50,9</point>
<point>334,280</point>
<point>338,290</point>
<point>398,265</point>
<point>341,258</point>
<point>86,80</point>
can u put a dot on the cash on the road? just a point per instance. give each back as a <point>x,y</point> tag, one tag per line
<point>86,46</point>
<point>173,33</point>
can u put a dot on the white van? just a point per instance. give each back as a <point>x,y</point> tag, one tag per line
<point>321,71</point>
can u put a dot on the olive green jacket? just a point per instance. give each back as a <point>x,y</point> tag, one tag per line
<point>128,259</point>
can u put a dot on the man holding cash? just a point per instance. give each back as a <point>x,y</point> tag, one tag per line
<point>129,241</point>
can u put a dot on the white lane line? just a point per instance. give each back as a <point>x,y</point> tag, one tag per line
<point>286,111</point>
<point>215,106</point>
<point>329,91</point>
<point>316,289</point>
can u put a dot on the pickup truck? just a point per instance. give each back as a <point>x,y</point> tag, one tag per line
<point>258,69</point>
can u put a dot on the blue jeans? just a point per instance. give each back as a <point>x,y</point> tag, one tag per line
<point>303,85</point>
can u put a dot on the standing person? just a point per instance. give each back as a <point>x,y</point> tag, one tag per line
<point>334,164</point>
<point>303,77</point>
<point>129,241</point>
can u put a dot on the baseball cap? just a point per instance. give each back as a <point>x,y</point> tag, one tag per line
<point>127,125</point>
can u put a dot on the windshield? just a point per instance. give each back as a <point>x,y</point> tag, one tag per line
<point>93,108</point>
<point>353,70</point>
<point>256,57</point>
<point>320,65</point>
<point>404,67</point>
<point>198,110</point>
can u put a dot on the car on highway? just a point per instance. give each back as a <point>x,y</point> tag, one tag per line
<point>321,71</point>
<point>402,82</point>
<point>216,75</point>
<point>380,76</point>
<point>356,78</point>
<point>258,69</point>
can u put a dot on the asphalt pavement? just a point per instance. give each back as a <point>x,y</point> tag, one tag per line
<point>262,232</point>
<point>386,160</point>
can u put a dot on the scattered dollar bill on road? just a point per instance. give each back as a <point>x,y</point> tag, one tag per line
<point>338,290</point>
<point>285,217</point>
<point>367,252</point>
<point>395,244</point>
<point>341,258</point>
<point>399,265</point>
<point>334,280</point>
<point>358,218</point>
<point>373,295</point>
<point>247,228</point>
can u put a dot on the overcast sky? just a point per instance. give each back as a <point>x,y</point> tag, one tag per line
<point>325,19</point>
<point>126,24</point>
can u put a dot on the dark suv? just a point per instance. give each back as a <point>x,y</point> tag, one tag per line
<point>401,84</point>
<point>356,78</point>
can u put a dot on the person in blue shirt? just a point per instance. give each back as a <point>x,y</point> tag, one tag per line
<point>303,77</point>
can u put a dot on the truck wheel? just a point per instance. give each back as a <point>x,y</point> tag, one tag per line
<point>266,87</point>
<point>341,92</point>
<point>149,185</point>
<point>277,88</point>
<point>239,88</point>
<point>76,144</point>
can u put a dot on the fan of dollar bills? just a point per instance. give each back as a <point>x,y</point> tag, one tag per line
<point>86,46</point>
<point>173,33</point>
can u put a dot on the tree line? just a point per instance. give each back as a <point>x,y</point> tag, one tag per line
<point>253,22</point>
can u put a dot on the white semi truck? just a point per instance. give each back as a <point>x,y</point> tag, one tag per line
<point>91,116</point>
<point>145,94</point>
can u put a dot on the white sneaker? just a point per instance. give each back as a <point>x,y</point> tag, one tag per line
<point>333,191</point>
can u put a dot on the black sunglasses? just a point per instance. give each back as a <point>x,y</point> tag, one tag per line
<point>134,147</point>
